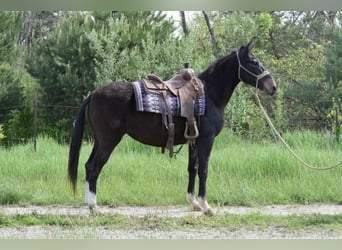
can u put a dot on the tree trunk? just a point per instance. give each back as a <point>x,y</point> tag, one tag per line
<point>26,36</point>
<point>210,28</point>
<point>184,25</point>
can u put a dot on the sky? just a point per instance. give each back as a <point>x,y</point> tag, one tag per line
<point>176,16</point>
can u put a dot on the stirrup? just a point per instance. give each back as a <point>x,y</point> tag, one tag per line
<point>191,137</point>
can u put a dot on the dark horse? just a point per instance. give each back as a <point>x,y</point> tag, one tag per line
<point>111,113</point>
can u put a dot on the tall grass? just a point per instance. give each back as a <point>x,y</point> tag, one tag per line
<point>240,173</point>
<point>267,174</point>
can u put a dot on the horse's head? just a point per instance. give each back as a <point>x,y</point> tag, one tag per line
<point>252,72</point>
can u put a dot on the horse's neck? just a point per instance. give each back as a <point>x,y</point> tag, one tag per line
<point>220,86</point>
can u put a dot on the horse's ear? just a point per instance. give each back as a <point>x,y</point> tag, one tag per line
<point>248,48</point>
<point>251,44</point>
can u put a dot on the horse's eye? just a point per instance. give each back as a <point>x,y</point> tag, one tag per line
<point>254,62</point>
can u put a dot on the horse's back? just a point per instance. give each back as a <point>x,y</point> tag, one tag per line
<point>114,93</point>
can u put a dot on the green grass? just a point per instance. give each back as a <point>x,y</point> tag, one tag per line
<point>240,173</point>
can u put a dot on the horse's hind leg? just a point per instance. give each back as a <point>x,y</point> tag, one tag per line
<point>90,197</point>
<point>94,165</point>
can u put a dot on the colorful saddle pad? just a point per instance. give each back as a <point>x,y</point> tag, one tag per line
<point>151,102</point>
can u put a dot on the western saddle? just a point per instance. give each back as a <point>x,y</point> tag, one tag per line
<point>188,88</point>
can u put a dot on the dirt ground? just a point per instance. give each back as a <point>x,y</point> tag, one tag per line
<point>52,232</point>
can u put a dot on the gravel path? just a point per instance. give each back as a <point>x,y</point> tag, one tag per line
<point>40,232</point>
<point>175,211</point>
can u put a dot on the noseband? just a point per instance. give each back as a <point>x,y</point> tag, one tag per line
<point>258,77</point>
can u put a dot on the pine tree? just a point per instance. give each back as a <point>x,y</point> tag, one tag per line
<point>11,25</point>
<point>17,87</point>
<point>63,64</point>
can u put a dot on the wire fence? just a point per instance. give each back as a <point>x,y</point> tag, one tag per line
<point>36,106</point>
<point>335,126</point>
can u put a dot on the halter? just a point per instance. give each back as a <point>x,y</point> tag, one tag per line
<point>258,77</point>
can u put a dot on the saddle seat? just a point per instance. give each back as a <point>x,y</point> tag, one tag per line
<point>188,88</point>
<point>173,85</point>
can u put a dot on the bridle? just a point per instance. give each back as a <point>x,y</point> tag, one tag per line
<point>258,77</point>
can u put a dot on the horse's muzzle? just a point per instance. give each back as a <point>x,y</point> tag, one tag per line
<point>269,85</point>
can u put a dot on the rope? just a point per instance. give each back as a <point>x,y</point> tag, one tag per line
<point>269,122</point>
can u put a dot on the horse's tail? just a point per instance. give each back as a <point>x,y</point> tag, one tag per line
<point>75,144</point>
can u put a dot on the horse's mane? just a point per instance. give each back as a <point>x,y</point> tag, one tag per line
<point>217,64</point>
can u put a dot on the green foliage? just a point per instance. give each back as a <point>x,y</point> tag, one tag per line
<point>63,65</point>
<point>234,30</point>
<point>333,73</point>
<point>17,89</point>
<point>117,60</point>
<point>19,126</point>
<point>244,118</point>
<point>62,62</point>
<point>265,24</point>
<point>335,118</point>
<point>141,25</point>
<point>11,24</point>
<point>296,46</point>
<point>2,134</point>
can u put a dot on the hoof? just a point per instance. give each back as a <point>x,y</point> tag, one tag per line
<point>208,212</point>
<point>196,207</point>
<point>206,209</point>
<point>193,202</point>
<point>93,210</point>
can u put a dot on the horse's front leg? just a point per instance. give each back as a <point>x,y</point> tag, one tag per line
<point>204,150</point>
<point>192,169</point>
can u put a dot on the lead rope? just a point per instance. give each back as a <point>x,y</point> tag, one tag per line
<point>269,122</point>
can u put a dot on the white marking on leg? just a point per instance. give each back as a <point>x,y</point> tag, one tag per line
<point>206,209</point>
<point>194,203</point>
<point>90,197</point>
